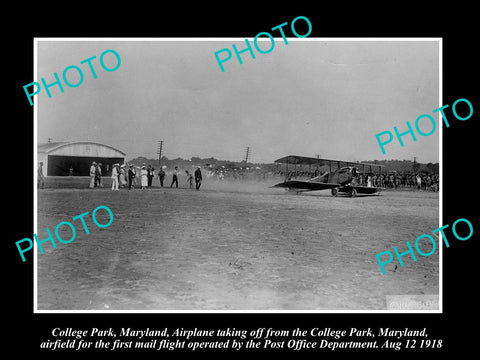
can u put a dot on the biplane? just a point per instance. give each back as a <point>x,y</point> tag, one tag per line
<point>339,176</point>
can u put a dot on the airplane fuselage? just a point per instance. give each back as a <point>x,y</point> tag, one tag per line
<point>341,176</point>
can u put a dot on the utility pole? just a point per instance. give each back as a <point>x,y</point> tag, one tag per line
<point>160,147</point>
<point>247,153</point>
<point>246,156</point>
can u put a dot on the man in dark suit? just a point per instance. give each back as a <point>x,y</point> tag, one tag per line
<point>161,176</point>
<point>198,178</point>
<point>175,177</point>
<point>150,174</point>
<point>131,176</point>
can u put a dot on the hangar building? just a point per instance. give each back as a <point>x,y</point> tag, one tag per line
<point>59,157</point>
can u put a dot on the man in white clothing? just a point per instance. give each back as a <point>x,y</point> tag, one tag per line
<point>92,174</point>
<point>115,177</point>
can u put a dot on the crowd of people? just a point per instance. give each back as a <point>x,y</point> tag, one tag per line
<point>419,181</point>
<point>401,181</point>
<point>129,176</point>
<point>96,175</point>
<point>391,180</point>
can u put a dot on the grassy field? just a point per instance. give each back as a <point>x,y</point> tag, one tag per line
<point>231,246</point>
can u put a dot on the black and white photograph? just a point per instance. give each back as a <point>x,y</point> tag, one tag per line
<point>220,180</point>
<point>260,187</point>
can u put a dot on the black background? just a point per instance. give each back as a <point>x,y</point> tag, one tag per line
<point>23,330</point>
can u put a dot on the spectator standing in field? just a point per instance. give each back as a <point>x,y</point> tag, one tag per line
<point>101,175</point>
<point>392,183</point>
<point>40,177</point>
<point>131,177</point>
<point>198,178</point>
<point>175,177</point>
<point>98,175</point>
<point>161,176</point>
<point>419,182</point>
<point>189,179</point>
<point>93,169</point>
<point>121,176</point>
<point>428,183</point>
<point>150,175</point>
<point>115,177</point>
<point>134,182</point>
<point>70,171</point>
<point>144,177</point>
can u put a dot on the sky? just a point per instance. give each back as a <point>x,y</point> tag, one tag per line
<point>311,97</point>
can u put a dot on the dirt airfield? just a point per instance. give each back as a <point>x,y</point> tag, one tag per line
<point>231,246</point>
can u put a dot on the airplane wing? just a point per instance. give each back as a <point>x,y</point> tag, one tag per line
<point>304,160</point>
<point>305,185</point>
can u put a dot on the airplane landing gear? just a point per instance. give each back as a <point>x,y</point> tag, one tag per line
<point>353,192</point>
<point>334,191</point>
